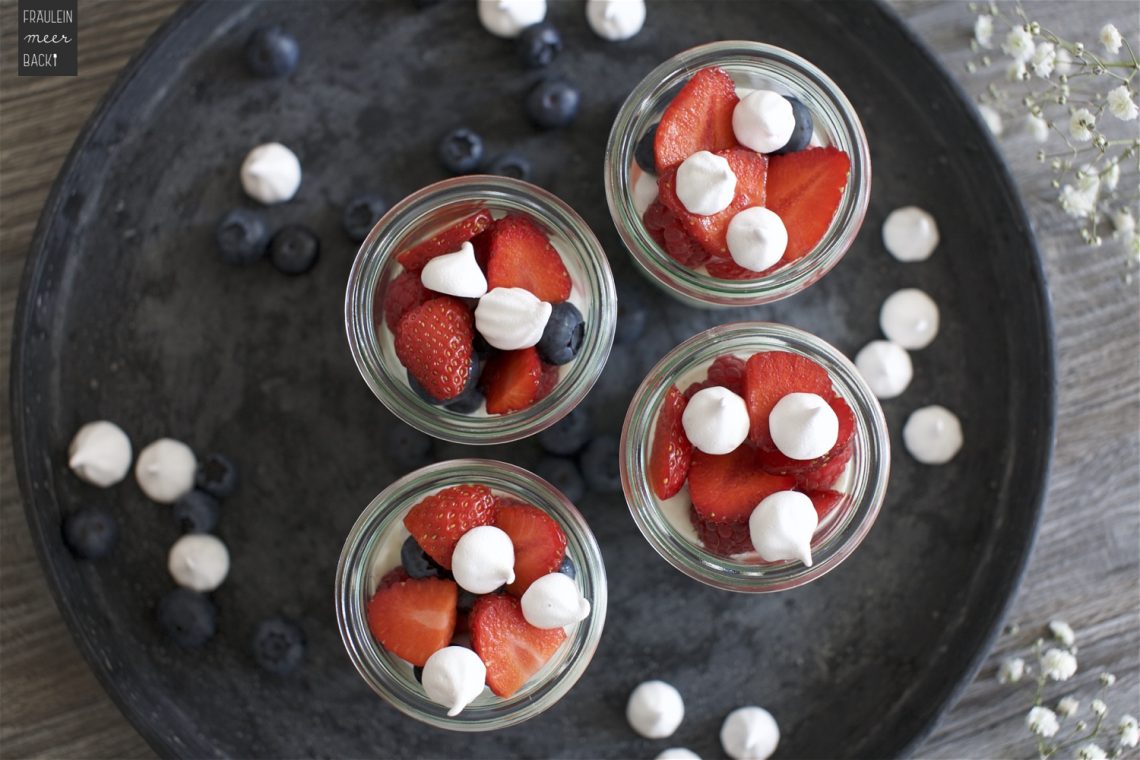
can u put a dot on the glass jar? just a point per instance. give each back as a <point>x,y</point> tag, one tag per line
<point>427,212</point>
<point>752,65</point>
<point>837,536</point>
<point>373,546</point>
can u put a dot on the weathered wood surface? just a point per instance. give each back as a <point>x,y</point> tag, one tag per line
<point>1086,565</point>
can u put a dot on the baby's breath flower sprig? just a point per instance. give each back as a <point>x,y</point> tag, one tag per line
<point>1083,96</point>
<point>1061,728</point>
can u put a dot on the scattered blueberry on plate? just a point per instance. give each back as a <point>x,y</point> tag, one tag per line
<point>217,475</point>
<point>562,337</point>
<point>801,132</point>
<point>563,474</point>
<point>600,464</point>
<point>241,236</point>
<point>461,151</point>
<point>361,214</point>
<point>552,103</point>
<point>567,567</point>
<point>539,44</point>
<point>294,249</point>
<point>416,561</point>
<point>568,435</point>
<point>196,512</point>
<point>271,52</point>
<point>90,533</point>
<point>643,153</point>
<point>408,447</point>
<point>278,645</point>
<point>510,165</point>
<point>187,617</point>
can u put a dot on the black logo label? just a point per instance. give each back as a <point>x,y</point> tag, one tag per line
<point>49,42</point>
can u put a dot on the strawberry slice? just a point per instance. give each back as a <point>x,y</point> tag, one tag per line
<point>404,293</point>
<point>726,488</point>
<point>521,256</point>
<point>771,375</point>
<point>441,519</point>
<point>539,543</point>
<point>672,451</point>
<point>824,502</point>
<point>512,649</point>
<point>710,232</point>
<point>482,245</point>
<point>434,341</point>
<point>547,381</point>
<point>414,618</point>
<point>777,463</point>
<point>698,118</point>
<point>448,241</point>
<point>511,380</point>
<point>725,538</point>
<point>805,188</point>
<point>825,475</point>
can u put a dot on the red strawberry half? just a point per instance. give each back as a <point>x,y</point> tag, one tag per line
<point>441,519</point>
<point>511,380</point>
<point>404,293</point>
<point>698,118</point>
<point>805,188</point>
<point>726,488</point>
<point>539,543</point>
<point>512,649</point>
<point>771,375</point>
<point>448,241</point>
<point>415,617</point>
<point>722,537</point>
<point>521,256</point>
<point>776,462</point>
<point>547,381</point>
<point>669,459</point>
<point>434,341</point>
<point>710,231</point>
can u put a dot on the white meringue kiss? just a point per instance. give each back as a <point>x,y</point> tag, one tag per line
<point>910,234</point>
<point>803,426</point>
<point>199,562</point>
<point>553,601</point>
<point>706,183</point>
<point>615,20</point>
<point>886,367</point>
<point>677,753</point>
<point>455,274</point>
<point>271,173</point>
<point>655,709</point>
<point>716,420</point>
<point>483,560</point>
<point>506,18</point>
<point>749,733</point>
<point>763,121</point>
<point>453,677</point>
<point>909,317</point>
<point>511,318</point>
<point>933,435</point>
<point>100,453</point>
<point>782,525</point>
<point>165,470</point>
<point>757,238</point>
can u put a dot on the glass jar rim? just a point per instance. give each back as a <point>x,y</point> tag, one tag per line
<point>376,259</point>
<point>871,461</point>
<point>632,120</point>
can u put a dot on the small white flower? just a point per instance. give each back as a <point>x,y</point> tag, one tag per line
<point>1064,62</point>
<point>1068,706</point>
<point>1098,707</point>
<point>1011,670</point>
<point>1016,72</point>
<point>1091,751</point>
<point>1080,204</point>
<point>1124,227</point>
<point>1110,38</point>
<point>1058,664</point>
<point>1081,124</point>
<point>1042,721</point>
<point>1129,731</point>
<point>1111,176</point>
<point>1121,104</point>
<point>992,119</point>
<point>1018,43</point>
<point>984,30</point>
<point>1107,679</point>
<point>1043,59</point>
<point>1061,630</point>
<point>1038,128</point>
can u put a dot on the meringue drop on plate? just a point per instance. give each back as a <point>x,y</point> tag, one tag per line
<point>655,709</point>
<point>553,601</point>
<point>909,317</point>
<point>933,435</point>
<point>886,367</point>
<point>271,173</point>
<point>455,274</point>
<point>506,18</point>
<point>716,420</point>
<point>100,453</point>
<point>749,733</point>
<point>910,234</point>
<point>165,470</point>
<point>782,525</point>
<point>803,426</point>
<point>511,318</point>
<point>615,20</point>
<point>453,677</point>
<point>199,562</point>
<point>483,560</point>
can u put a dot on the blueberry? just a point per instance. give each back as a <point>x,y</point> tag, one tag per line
<point>407,447</point>
<point>196,512</point>
<point>562,474</point>
<point>421,391</point>
<point>567,567</point>
<point>187,617</point>
<point>361,214</point>
<point>801,133</point>
<point>278,645</point>
<point>90,533</point>
<point>562,336</point>
<point>552,103</point>
<point>632,315</point>
<point>418,673</point>
<point>416,561</point>
<point>466,600</point>
<point>568,435</point>
<point>461,151</point>
<point>294,249</point>
<point>483,349</point>
<point>241,236</point>
<point>644,154</point>
<point>538,44</point>
<point>510,165</point>
<point>217,476</point>
<point>271,52</point>
<point>466,402</point>
<point>600,465</point>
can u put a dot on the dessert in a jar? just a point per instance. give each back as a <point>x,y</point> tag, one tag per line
<point>737,174</point>
<point>471,595</point>
<point>754,457</point>
<point>480,309</point>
